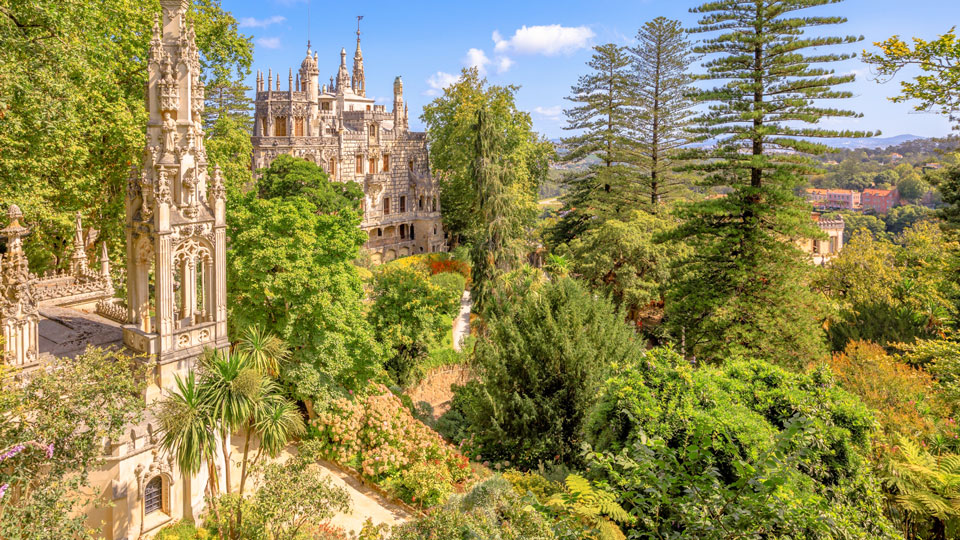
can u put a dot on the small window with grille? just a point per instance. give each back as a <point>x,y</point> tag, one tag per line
<point>153,496</point>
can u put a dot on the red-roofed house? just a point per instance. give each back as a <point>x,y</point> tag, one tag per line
<point>880,200</point>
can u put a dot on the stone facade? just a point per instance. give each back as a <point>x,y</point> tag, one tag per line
<point>355,140</point>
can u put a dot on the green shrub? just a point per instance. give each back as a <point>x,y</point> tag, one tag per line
<point>490,511</point>
<point>182,530</point>
<point>453,285</point>
<point>540,367</point>
<point>424,484</point>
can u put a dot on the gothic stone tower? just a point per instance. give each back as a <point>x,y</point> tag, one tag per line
<point>176,261</point>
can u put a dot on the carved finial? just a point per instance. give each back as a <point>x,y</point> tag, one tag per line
<point>14,214</point>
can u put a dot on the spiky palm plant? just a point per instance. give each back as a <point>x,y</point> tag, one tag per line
<point>276,421</point>
<point>230,388</point>
<point>267,351</point>
<point>188,430</point>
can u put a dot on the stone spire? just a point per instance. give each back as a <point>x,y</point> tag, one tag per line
<point>359,80</point>
<point>176,229</point>
<point>19,317</point>
<point>343,77</point>
<point>105,267</point>
<point>78,257</point>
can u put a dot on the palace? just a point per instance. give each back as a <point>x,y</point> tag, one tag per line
<point>175,291</point>
<point>353,139</point>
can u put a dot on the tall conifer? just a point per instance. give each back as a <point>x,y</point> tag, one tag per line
<point>497,246</point>
<point>603,117</point>
<point>743,290</point>
<point>662,90</point>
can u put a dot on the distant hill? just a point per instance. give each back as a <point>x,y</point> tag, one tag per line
<point>872,142</point>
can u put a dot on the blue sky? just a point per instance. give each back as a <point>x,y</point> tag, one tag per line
<point>543,46</point>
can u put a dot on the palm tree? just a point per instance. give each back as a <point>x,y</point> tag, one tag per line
<point>188,430</point>
<point>230,389</point>
<point>267,351</point>
<point>276,422</point>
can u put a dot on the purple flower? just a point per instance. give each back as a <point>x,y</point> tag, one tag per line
<point>3,489</point>
<point>12,452</point>
<point>49,450</point>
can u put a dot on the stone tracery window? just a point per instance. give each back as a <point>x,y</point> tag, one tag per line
<point>153,496</point>
<point>280,126</point>
<point>298,127</point>
<point>373,165</point>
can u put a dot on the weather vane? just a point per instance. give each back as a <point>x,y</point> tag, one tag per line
<point>359,18</point>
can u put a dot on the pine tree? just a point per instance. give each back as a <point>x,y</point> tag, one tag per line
<point>604,115</point>
<point>230,99</point>
<point>743,290</point>
<point>660,62</point>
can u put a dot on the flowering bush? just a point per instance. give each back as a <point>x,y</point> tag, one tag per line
<point>379,437</point>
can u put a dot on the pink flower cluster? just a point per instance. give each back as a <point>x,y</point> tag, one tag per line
<point>378,436</point>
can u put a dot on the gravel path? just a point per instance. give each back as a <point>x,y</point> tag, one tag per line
<point>364,503</point>
<point>461,325</point>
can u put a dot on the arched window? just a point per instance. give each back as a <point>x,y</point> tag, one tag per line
<point>403,231</point>
<point>379,232</point>
<point>421,202</point>
<point>434,204</point>
<point>413,235</point>
<point>153,496</point>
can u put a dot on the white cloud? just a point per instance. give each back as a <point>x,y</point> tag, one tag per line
<point>269,42</point>
<point>547,40</point>
<point>553,113</point>
<point>478,59</point>
<point>251,22</point>
<point>504,64</point>
<point>438,81</point>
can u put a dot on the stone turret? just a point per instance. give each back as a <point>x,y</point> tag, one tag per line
<point>398,111</point>
<point>309,73</point>
<point>19,316</point>
<point>176,232</point>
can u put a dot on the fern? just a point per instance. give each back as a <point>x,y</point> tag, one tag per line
<point>594,507</point>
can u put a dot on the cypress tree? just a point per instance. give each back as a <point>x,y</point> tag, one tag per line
<point>228,99</point>
<point>662,89</point>
<point>497,248</point>
<point>743,290</point>
<point>603,116</point>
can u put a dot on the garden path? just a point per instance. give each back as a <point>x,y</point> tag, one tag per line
<point>364,502</point>
<point>461,325</point>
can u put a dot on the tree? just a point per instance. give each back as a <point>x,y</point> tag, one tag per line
<point>661,59</point>
<point>747,450</point>
<point>52,428</point>
<point>926,491</point>
<point>189,431</point>
<point>451,132</point>
<point>72,83</point>
<point>742,290</point>
<point>622,260</point>
<point>294,500</point>
<point>497,246</point>
<point>410,313</point>
<point>939,60</point>
<point>604,119</point>
<point>539,368</point>
<point>290,272</point>
<point>228,100</point>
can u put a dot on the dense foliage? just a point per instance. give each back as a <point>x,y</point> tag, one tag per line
<point>540,365</point>
<point>292,242</point>
<point>747,448</point>
<point>412,313</point>
<point>72,83</point>
<point>51,433</point>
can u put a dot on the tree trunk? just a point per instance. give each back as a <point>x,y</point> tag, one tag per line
<point>246,453</point>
